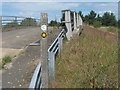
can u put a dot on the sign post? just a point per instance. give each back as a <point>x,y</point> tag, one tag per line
<point>43,48</point>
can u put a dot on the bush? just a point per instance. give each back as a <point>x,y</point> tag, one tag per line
<point>28,22</point>
<point>5,60</point>
<point>54,23</point>
<point>112,29</point>
<point>97,24</point>
<point>11,24</point>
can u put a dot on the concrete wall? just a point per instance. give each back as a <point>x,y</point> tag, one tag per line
<point>73,23</point>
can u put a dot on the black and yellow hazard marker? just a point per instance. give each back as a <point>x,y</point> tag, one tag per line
<point>44,35</point>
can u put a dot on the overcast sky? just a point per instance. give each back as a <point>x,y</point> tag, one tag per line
<point>28,8</point>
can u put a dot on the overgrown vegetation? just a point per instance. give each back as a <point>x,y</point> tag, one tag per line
<point>5,60</point>
<point>112,29</point>
<point>89,61</point>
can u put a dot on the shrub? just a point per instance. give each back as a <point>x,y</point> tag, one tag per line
<point>54,23</point>
<point>97,24</point>
<point>28,22</point>
<point>112,29</point>
<point>11,24</point>
<point>5,60</point>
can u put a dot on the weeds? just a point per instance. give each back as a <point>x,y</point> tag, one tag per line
<point>5,60</point>
<point>112,29</point>
<point>89,61</point>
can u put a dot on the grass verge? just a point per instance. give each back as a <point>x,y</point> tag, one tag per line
<point>89,61</point>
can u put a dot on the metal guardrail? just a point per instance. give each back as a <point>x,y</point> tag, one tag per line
<point>73,25</point>
<point>9,19</point>
<point>56,46</point>
<point>36,78</point>
<point>36,81</point>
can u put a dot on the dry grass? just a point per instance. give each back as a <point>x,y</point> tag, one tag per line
<point>88,61</point>
<point>112,30</point>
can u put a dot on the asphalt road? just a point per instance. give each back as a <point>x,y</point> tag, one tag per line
<point>20,38</point>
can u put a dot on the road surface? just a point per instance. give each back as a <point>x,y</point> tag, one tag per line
<point>20,70</point>
<point>15,40</point>
<point>20,38</point>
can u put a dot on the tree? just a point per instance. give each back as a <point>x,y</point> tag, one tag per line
<point>53,23</point>
<point>99,18</point>
<point>80,13</point>
<point>28,22</point>
<point>92,16</point>
<point>63,17</point>
<point>86,19</point>
<point>109,19</point>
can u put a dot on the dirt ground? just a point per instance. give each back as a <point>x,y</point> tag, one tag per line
<point>7,52</point>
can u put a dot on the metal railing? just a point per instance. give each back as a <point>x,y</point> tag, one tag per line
<point>56,46</point>
<point>10,19</point>
<point>36,78</point>
<point>36,81</point>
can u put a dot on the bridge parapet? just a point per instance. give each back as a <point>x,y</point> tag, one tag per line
<point>73,23</point>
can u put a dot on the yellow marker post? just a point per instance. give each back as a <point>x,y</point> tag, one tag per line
<point>43,34</point>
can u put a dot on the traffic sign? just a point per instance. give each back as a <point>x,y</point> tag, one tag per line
<point>44,27</point>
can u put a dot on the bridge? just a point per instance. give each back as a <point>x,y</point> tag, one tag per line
<point>20,74</point>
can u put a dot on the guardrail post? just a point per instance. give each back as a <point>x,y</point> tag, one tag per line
<point>60,43</point>
<point>44,45</point>
<point>51,66</point>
